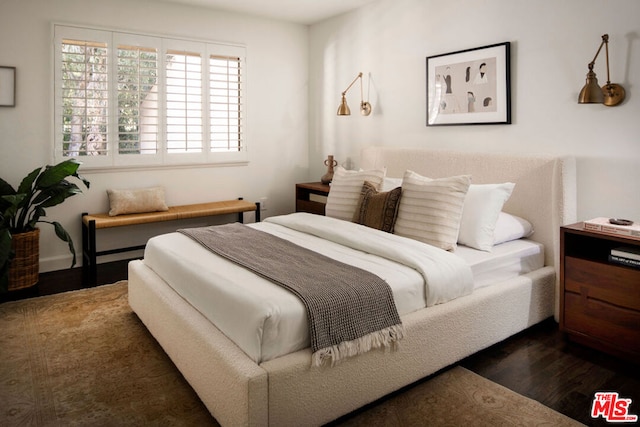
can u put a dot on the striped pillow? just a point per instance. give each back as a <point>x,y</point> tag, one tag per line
<point>431,209</point>
<point>345,191</point>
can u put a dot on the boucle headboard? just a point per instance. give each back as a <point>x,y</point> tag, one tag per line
<point>545,191</point>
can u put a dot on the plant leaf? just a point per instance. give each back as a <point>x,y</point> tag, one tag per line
<point>10,206</point>
<point>6,188</point>
<point>52,175</point>
<point>84,181</point>
<point>26,186</point>
<point>63,235</point>
<point>36,213</point>
<point>56,194</point>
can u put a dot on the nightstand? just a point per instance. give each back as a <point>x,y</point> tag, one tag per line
<point>311,197</point>
<point>599,299</point>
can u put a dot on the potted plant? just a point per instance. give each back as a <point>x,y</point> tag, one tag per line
<point>22,209</point>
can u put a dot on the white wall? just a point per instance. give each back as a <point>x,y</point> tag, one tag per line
<point>276,131</point>
<point>552,41</point>
<point>296,75</point>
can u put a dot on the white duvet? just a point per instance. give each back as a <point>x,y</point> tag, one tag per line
<point>446,276</point>
<point>267,321</point>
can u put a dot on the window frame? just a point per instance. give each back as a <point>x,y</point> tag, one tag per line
<point>162,158</point>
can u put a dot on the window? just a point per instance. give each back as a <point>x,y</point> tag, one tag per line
<point>138,104</point>
<point>85,97</point>
<point>224,102</point>
<point>184,102</point>
<point>124,99</point>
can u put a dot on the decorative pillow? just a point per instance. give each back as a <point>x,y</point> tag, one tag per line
<point>510,227</point>
<point>430,209</point>
<point>377,210</point>
<point>482,205</point>
<point>345,191</point>
<point>136,201</point>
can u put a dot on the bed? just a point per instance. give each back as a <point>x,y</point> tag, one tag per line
<point>241,387</point>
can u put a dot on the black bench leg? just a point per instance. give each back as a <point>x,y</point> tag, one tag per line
<point>241,214</point>
<point>89,257</point>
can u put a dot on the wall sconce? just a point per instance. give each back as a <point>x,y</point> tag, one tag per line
<point>610,94</point>
<point>365,107</point>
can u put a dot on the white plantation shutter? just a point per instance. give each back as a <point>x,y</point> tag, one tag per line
<point>184,109</point>
<point>225,103</point>
<point>138,100</point>
<point>84,85</point>
<point>128,99</point>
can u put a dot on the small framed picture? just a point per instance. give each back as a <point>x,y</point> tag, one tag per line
<point>470,87</point>
<point>7,86</point>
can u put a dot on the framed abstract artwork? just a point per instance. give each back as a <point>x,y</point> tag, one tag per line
<point>7,86</point>
<point>470,87</point>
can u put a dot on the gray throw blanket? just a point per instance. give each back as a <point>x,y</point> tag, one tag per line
<point>349,310</point>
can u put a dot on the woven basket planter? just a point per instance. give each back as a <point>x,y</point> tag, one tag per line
<point>25,267</point>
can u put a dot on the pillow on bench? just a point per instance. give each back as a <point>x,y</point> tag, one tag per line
<point>138,200</point>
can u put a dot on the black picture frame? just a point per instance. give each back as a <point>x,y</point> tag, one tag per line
<point>7,86</point>
<point>470,87</point>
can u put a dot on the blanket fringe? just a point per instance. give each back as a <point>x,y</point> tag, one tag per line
<point>387,337</point>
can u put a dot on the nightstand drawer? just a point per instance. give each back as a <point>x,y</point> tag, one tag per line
<point>617,285</point>
<point>614,325</point>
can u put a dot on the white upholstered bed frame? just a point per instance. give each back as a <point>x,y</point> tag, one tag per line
<point>288,391</point>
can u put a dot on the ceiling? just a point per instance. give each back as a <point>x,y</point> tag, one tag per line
<point>298,11</point>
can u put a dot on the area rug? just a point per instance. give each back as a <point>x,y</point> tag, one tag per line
<point>84,358</point>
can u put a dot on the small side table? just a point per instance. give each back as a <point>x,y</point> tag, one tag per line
<point>311,197</point>
<point>599,299</point>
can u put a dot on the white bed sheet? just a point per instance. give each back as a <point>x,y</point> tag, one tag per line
<point>267,321</point>
<point>505,261</point>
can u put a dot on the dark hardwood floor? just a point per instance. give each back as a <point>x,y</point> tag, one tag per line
<point>538,363</point>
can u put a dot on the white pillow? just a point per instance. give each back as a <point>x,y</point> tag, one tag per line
<point>345,191</point>
<point>389,184</point>
<point>510,227</point>
<point>430,209</point>
<point>482,205</point>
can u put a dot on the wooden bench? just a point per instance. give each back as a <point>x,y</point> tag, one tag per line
<point>92,222</point>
